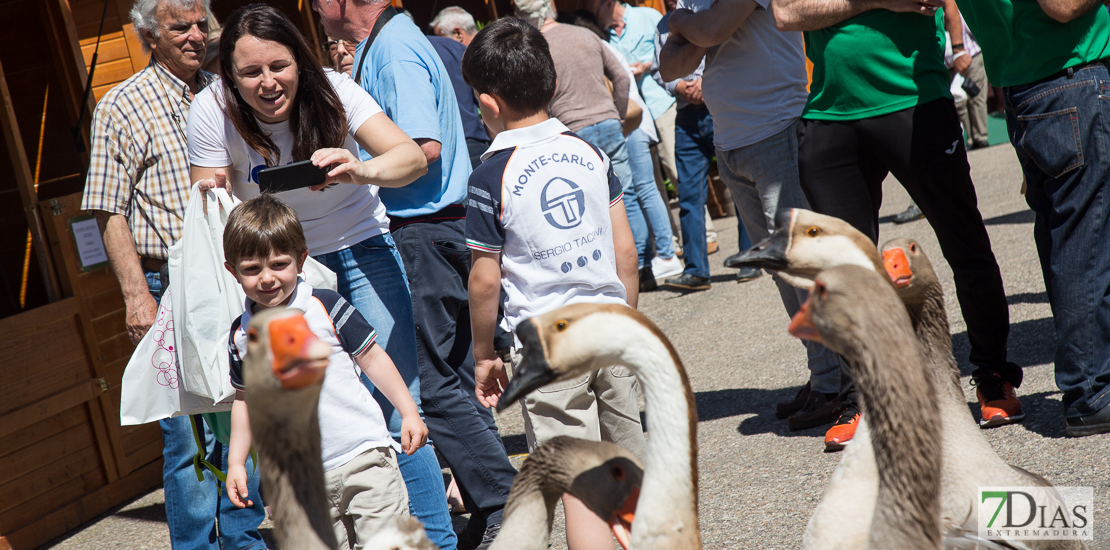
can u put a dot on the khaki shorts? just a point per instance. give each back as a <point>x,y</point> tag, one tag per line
<point>600,406</point>
<point>366,494</point>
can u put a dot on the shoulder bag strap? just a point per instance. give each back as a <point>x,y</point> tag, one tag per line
<point>384,18</point>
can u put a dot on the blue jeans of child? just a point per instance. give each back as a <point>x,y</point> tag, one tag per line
<point>1060,128</point>
<point>192,506</point>
<point>763,178</point>
<point>606,135</point>
<point>651,202</point>
<point>372,277</point>
<point>693,149</point>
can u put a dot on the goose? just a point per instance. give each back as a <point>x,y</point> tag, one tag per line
<point>855,312</point>
<point>582,338</point>
<point>805,243</point>
<point>284,370</point>
<point>970,461</point>
<point>604,476</point>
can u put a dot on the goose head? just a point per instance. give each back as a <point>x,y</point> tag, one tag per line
<point>604,476</point>
<point>804,243</point>
<point>405,533</point>
<point>909,269</point>
<point>282,352</point>
<point>846,302</point>
<point>569,341</point>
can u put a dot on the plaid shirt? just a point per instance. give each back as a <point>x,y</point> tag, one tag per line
<point>140,160</point>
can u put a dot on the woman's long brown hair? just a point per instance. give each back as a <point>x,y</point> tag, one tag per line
<point>318,119</point>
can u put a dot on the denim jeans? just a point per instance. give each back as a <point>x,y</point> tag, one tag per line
<point>437,263</point>
<point>763,178</point>
<point>693,149</point>
<point>651,202</point>
<point>192,507</point>
<point>606,135</point>
<point>1059,128</point>
<point>372,277</point>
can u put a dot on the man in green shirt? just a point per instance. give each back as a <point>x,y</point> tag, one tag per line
<point>878,104</point>
<point>1050,58</point>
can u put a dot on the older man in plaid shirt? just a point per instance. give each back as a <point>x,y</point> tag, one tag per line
<point>138,186</point>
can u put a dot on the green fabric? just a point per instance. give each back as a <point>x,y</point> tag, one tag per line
<point>220,425</point>
<point>874,64</point>
<point>1022,44</point>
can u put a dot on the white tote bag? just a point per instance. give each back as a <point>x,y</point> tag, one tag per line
<point>207,298</point>
<point>151,385</point>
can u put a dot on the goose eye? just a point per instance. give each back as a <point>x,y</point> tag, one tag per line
<point>813,231</point>
<point>561,325</point>
<point>913,248</point>
<point>618,473</point>
<point>252,335</point>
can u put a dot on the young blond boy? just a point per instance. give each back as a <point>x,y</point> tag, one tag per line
<point>264,247</point>
<point>545,220</point>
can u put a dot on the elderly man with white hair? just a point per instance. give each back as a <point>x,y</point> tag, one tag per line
<point>455,23</point>
<point>137,184</point>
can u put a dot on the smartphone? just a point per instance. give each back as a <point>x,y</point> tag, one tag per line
<point>291,176</point>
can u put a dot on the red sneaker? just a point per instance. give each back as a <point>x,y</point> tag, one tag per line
<point>998,402</point>
<point>842,432</point>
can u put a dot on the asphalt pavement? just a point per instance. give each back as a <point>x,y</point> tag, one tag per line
<point>759,481</point>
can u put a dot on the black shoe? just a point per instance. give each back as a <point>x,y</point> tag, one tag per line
<point>647,279</point>
<point>748,273</point>
<point>910,214</point>
<point>473,534</point>
<point>688,282</point>
<point>1098,423</point>
<point>784,409</point>
<point>820,409</point>
<point>731,261</point>
<point>979,145</point>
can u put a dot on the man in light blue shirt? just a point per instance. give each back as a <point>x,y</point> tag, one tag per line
<point>632,31</point>
<point>397,65</point>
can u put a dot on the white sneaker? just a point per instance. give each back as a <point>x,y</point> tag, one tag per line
<point>666,268</point>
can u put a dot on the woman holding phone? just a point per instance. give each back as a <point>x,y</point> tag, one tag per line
<point>276,105</point>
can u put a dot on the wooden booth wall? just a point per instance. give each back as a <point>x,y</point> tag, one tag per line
<point>64,458</point>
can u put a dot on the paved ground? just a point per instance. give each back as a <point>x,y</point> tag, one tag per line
<point>759,481</point>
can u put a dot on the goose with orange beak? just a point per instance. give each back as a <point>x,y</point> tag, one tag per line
<point>284,371</point>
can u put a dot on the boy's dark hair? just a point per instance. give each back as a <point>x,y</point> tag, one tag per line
<point>509,58</point>
<point>262,226</point>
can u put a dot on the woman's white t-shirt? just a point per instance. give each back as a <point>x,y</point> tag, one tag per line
<point>333,219</point>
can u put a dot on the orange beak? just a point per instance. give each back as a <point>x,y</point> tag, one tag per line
<point>897,267</point>
<point>801,326</point>
<point>621,520</point>
<point>300,358</point>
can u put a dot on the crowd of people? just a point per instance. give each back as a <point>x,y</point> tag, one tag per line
<point>475,179</point>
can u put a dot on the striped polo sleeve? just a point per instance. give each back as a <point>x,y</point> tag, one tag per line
<point>352,329</point>
<point>484,229</point>
<point>235,358</point>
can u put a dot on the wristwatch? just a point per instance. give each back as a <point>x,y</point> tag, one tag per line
<point>958,47</point>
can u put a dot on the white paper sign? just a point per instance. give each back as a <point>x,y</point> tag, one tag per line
<point>90,246</point>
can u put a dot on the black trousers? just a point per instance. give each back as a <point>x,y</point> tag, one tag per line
<point>842,165</point>
<point>437,263</point>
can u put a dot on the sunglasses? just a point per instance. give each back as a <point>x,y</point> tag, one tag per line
<point>332,46</point>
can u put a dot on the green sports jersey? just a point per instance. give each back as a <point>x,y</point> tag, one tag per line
<point>1022,44</point>
<point>874,64</point>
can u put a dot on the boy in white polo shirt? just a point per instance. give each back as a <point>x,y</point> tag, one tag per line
<point>265,248</point>
<point>545,220</point>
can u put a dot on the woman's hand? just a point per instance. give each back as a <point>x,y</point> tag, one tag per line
<point>347,168</point>
<point>219,180</point>
<point>414,434</point>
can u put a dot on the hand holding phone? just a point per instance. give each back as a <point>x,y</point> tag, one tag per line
<point>345,167</point>
<point>292,176</point>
